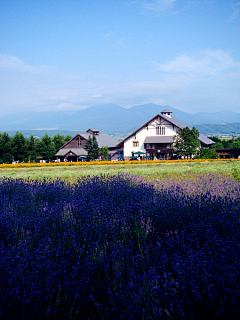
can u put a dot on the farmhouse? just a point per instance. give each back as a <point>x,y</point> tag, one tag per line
<point>155,138</point>
<point>74,150</point>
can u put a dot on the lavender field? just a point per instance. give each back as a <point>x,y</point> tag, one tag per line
<point>118,247</point>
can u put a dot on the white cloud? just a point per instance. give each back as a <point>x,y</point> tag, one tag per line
<point>210,79</point>
<point>11,62</point>
<point>208,63</point>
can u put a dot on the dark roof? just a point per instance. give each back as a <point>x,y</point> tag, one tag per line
<point>159,139</point>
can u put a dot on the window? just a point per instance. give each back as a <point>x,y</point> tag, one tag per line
<point>79,141</point>
<point>135,143</point>
<point>160,131</point>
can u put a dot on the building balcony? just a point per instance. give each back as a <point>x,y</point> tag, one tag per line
<point>159,150</point>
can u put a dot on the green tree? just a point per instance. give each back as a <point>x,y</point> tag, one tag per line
<point>235,143</point>
<point>208,154</point>
<point>6,155</point>
<point>218,145</point>
<point>186,142</point>
<point>46,147</point>
<point>91,147</point>
<point>67,138</point>
<point>19,147</point>
<point>32,148</point>
<point>103,151</point>
<point>226,143</point>
<point>58,141</point>
<point>215,139</point>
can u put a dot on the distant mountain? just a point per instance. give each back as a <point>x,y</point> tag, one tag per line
<point>219,129</point>
<point>109,118</point>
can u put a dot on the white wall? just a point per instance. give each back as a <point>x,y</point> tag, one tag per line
<point>143,133</point>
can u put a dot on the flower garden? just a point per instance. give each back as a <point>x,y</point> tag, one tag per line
<point>79,163</point>
<point>118,247</point>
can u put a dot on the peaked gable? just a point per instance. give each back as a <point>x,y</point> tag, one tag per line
<point>164,118</point>
<point>159,119</point>
<point>76,142</point>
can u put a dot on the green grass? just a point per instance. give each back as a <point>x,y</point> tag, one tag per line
<point>153,171</point>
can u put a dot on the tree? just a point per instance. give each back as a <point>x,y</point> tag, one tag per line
<point>6,155</point>
<point>103,151</point>
<point>91,147</point>
<point>32,143</point>
<point>46,147</point>
<point>19,147</point>
<point>67,138</point>
<point>208,154</point>
<point>186,142</point>
<point>58,141</point>
<point>217,145</point>
<point>235,143</point>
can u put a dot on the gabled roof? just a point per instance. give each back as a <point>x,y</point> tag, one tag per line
<point>204,139</point>
<point>78,134</point>
<point>75,151</point>
<point>174,121</point>
<point>103,140</point>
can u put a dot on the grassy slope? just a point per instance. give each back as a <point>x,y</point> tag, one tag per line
<point>153,171</point>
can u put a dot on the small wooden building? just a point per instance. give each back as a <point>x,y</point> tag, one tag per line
<point>74,150</point>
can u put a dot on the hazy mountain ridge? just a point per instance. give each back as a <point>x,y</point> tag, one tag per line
<point>219,129</point>
<point>113,119</point>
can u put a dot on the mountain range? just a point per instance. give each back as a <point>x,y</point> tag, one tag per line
<point>110,118</point>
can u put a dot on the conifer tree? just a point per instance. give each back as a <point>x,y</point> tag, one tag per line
<point>6,155</point>
<point>91,147</point>
<point>19,147</point>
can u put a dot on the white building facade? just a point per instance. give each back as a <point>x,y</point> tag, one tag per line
<point>155,139</point>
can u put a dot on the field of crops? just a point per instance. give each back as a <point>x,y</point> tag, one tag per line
<point>119,246</point>
<point>150,170</point>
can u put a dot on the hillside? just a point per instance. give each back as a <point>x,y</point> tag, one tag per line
<point>219,129</point>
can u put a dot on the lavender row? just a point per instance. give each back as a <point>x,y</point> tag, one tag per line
<point>117,247</point>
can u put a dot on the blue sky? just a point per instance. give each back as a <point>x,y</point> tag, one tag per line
<point>73,54</point>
